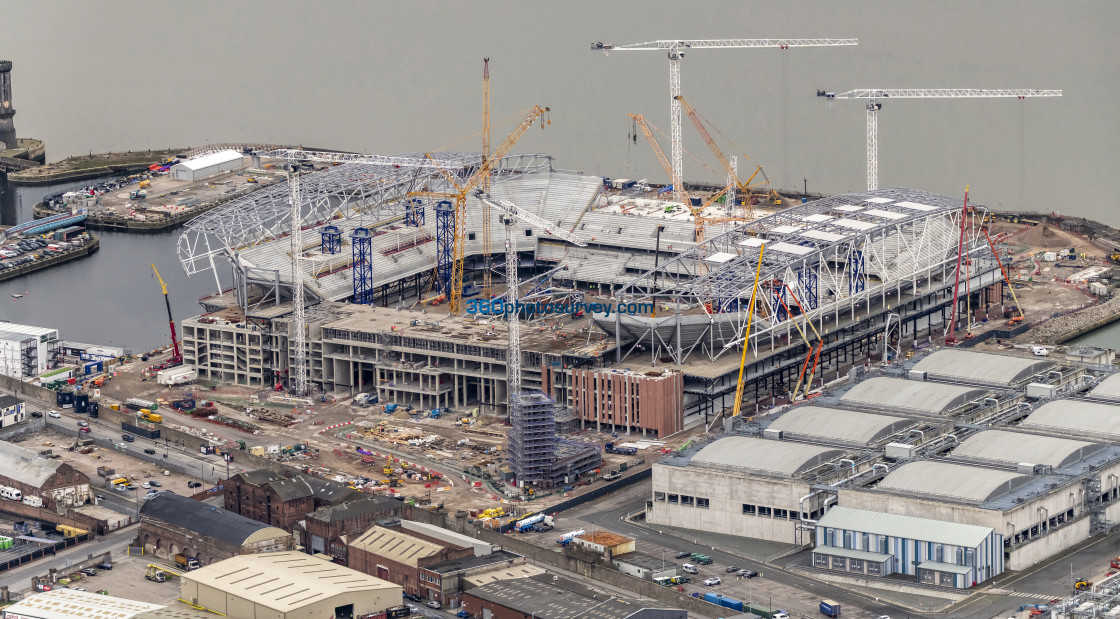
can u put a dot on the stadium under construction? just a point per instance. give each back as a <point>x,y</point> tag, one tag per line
<point>836,274</point>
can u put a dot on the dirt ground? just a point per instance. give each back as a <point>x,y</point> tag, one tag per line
<point>163,193</point>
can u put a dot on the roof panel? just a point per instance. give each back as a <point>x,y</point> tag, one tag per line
<point>839,424</point>
<point>790,248</point>
<point>720,257</point>
<point>785,229</point>
<point>821,235</point>
<point>851,208</point>
<point>981,368</point>
<point>885,214</point>
<point>957,481</point>
<point>755,454</point>
<point>879,200</point>
<point>818,217</point>
<point>910,396</point>
<point>906,527</point>
<point>1016,447</point>
<point>1077,416</point>
<point>915,206</point>
<point>1108,388</point>
<point>210,159</point>
<point>856,224</point>
<point>752,242</point>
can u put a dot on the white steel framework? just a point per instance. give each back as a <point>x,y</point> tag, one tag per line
<point>872,95</point>
<point>675,50</point>
<point>297,381</point>
<point>823,261</point>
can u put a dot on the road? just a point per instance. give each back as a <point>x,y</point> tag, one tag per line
<point>19,579</point>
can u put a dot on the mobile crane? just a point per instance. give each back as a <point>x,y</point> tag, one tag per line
<point>176,356</point>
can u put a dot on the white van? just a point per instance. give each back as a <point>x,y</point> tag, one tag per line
<point>690,568</point>
<point>1039,351</point>
<point>11,494</point>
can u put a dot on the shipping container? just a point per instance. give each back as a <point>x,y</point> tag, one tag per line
<point>138,431</point>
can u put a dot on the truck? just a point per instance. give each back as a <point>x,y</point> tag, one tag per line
<point>148,415</point>
<point>612,475</point>
<point>567,538</point>
<point>187,562</point>
<point>156,575</point>
<point>137,404</point>
<point>701,559</point>
<point>106,471</point>
<point>530,524</point>
<point>612,448</point>
<point>179,375</point>
<point>830,608</point>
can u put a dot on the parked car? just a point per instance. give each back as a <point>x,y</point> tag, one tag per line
<point>36,414</point>
<point>749,573</point>
<point>54,415</point>
<point>150,451</point>
<point>732,568</point>
<point>462,614</point>
<point>155,484</point>
<point>684,554</point>
<point>434,604</point>
<point>88,571</point>
<point>412,597</point>
<point>104,566</point>
<point>145,485</point>
<point>690,568</point>
<point>711,582</point>
<point>79,589</point>
<point>194,484</point>
<point>85,429</point>
<point>83,424</point>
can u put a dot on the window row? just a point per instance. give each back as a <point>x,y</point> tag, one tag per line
<point>763,511</point>
<point>682,499</point>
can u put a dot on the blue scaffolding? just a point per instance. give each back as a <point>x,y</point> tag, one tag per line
<point>857,278</point>
<point>808,288</point>
<point>332,240</point>
<point>445,242</point>
<point>361,243</point>
<point>779,291</point>
<point>414,214</point>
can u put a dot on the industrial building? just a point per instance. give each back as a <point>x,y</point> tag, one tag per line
<point>395,555</point>
<point>56,483</point>
<point>281,500</point>
<point>326,529</point>
<point>27,351</point>
<point>287,585</point>
<point>171,524</point>
<point>74,604</point>
<point>954,436</point>
<point>207,165</point>
<point>446,580</point>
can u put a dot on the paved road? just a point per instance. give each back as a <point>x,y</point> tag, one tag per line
<point>19,579</point>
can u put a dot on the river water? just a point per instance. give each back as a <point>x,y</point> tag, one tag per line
<point>390,77</point>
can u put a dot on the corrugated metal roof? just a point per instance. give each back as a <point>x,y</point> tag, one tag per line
<point>910,396</point>
<point>207,520</point>
<point>395,545</point>
<point>72,604</point>
<point>767,456</point>
<point>982,368</point>
<point>944,567</point>
<point>905,527</point>
<point>284,581</point>
<point>839,424</point>
<point>1109,388</point>
<point>852,553</point>
<point>1015,447</point>
<point>209,159</point>
<point>26,466</point>
<point>1077,416</point>
<point>958,481</point>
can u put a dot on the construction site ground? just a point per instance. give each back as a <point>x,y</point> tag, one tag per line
<point>165,191</point>
<point>336,446</point>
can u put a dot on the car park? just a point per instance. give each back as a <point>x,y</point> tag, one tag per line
<point>711,582</point>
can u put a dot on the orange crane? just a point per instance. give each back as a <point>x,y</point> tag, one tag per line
<point>458,195</point>
<point>176,357</point>
<point>741,186</point>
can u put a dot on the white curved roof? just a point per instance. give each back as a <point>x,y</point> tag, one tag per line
<point>981,368</point>
<point>756,454</point>
<point>1077,416</point>
<point>1015,447</point>
<point>910,396</point>
<point>1108,388</point>
<point>957,481</point>
<point>839,424</point>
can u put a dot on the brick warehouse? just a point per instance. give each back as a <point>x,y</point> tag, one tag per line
<point>57,483</point>
<point>324,531</point>
<point>391,554</point>
<point>272,498</point>
<point>171,524</point>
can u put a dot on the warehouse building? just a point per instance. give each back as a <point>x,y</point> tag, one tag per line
<point>287,585</point>
<point>58,484</point>
<point>935,552</point>
<point>74,604</point>
<point>444,581</point>
<point>327,529</point>
<point>396,556</point>
<point>282,500</point>
<point>745,486</point>
<point>171,524</point>
<point>977,368</point>
<point>207,165</point>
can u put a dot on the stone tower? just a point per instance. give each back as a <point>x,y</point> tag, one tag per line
<point>7,111</point>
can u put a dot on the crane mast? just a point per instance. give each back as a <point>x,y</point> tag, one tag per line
<point>176,357</point>
<point>675,50</point>
<point>513,358</point>
<point>872,96</point>
<point>297,380</point>
<point>486,181</point>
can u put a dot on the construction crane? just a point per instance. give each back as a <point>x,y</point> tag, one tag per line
<point>676,49</point>
<point>729,165</point>
<point>176,356</point>
<point>738,406</point>
<point>486,181</point>
<point>459,196</point>
<point>510,213</point>
<point>873,95</point>
<point>297,376</point>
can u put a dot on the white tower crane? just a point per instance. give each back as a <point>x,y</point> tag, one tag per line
<point>509,212</point>
<point>873,107</point>
<point>297,379</point>
<point>676,48</point>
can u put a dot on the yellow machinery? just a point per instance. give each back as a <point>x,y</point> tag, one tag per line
<point>747,338</point>
<point>1082,583</point>
<point>458,195</point>
<point>742,186</point>
<point>145,184</point>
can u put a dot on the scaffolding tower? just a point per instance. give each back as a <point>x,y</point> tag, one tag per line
<point>532,439</point>
<point>414,215</point>
<point>362,246</point>
<point>445,242</point>
<point>332,240</point>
